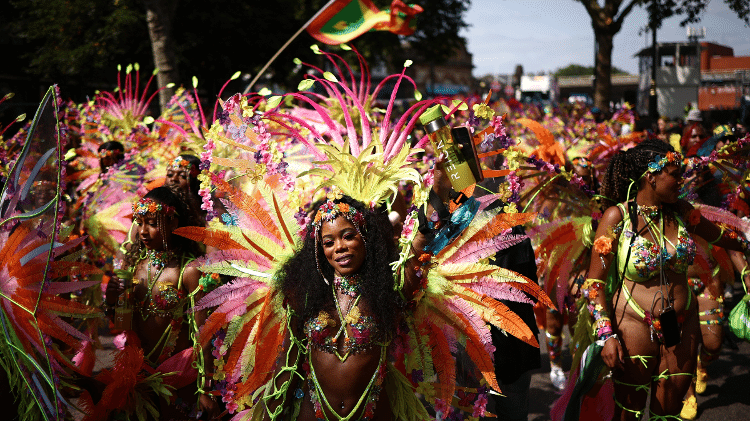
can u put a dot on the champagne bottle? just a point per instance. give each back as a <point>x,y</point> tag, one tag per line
<point>455,165</point>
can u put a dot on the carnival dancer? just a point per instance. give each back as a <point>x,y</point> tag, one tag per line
<point>644,315</point>
<point>157,287</point>
<point>357,325</point>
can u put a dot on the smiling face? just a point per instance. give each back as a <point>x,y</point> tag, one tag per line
<point>343,246</point>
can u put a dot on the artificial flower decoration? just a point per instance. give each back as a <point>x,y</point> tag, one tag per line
<point>603,245</point>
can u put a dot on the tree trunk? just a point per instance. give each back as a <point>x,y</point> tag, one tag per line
<point>603,69</point>
<point>159,15</point>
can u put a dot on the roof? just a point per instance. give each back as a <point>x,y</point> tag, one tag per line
<point>583,81</point>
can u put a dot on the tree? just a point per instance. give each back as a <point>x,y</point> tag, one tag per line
<point>607,19</point>
<point>160,15</point>
<point>84,40</point>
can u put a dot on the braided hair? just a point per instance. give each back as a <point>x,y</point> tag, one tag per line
<point>628,166</point>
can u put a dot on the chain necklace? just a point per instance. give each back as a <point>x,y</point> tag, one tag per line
<point>159,259</point>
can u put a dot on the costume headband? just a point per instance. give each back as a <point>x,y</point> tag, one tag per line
<point>180,164</point>
<point>146,206</point>
<point>671,158</point>
<point>581,162</point>
<point>330,210</point>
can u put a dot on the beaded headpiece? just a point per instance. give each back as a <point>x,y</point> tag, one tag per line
<point>182,164</point>
<point>146,206</point>
<point>581,162</point>
<point>671,158</point>
<point>329,211</point>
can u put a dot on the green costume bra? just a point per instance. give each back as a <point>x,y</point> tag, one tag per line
<point>645,256</point>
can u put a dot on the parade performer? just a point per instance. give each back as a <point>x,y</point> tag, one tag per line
<point>643,315</point>
<point>157,289</point>
<point>336,321</point>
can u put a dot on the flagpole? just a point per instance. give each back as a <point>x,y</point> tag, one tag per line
<point>283,47</point>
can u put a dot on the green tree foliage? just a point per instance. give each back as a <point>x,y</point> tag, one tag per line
<point>581,70</point>
<point>84,40</point>
<point>77,38</point>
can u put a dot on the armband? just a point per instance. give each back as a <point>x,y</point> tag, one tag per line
<point>602,326</point>
<point>591,288</point>
<point>603,245</point>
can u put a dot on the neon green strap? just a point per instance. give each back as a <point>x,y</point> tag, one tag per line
<point>721,234</point>
<point>629,299</point>
<point>642,359</point>
<point>654,417</point>
<point>664,376</point>
<point>362,399</point>
<point>638,414</point>
<point>638,387</point>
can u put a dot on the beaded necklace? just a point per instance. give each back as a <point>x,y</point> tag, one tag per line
<point>347,285</point>
<point>145,306</point>
<point>651,212</point>
<point>158,258</point>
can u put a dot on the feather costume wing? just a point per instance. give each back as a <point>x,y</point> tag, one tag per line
<point>32,241</point>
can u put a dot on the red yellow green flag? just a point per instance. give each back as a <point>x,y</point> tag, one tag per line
<point>344,20</point>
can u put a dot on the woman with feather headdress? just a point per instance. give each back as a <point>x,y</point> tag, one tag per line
<point>337,321</point>
<point>150,305</point>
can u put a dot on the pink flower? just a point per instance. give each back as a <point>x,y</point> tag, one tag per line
<point>480,406</point>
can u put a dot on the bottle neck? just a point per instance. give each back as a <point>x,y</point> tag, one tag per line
<point>435,125</point>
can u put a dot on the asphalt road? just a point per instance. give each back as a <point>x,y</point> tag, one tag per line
<point>727,396</point>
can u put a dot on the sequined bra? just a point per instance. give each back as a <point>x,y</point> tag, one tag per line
<point>324,331</point>
<point>164,300</point>
<point>645,256</point>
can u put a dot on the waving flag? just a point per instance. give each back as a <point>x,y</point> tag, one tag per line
<point>344,20</point>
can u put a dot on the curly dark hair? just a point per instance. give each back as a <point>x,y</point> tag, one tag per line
<point>626,166</point>
<point>186,215</point>
<point>306,292</point>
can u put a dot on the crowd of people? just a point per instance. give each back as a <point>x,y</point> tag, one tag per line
<point>326,257</point>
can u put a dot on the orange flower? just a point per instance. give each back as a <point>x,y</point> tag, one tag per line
<point>694,218</point>
<point>603,245</point>
<point>670,156</point>
<point>344,207</point>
